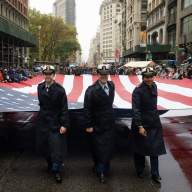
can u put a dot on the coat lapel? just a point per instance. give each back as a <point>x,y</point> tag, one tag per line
<point>100,89</point>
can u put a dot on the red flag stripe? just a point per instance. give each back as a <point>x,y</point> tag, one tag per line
<point>175,97</point>
<point>60,79</point>
<point>185,83</point>
<point>77,89</point>
<point>122,92</point>
<point>95,78</point>
<point>135,81</point>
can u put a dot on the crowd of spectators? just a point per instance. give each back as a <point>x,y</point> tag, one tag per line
<point>17,74</point>
<point>12,74</point>
<point>180,72</point>
<point>177,72</point>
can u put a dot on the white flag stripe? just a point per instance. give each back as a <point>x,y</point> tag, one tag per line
<point>27,90</point>
<point>173,88</point>
<point>119,102</point>
<point>68,83</point>
<point>87,81</point>
<point>169,104</point>
<point>127,83</point>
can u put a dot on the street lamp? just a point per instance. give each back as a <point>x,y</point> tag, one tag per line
<point>39,38</point>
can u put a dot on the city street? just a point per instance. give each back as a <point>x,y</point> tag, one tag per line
<point>23,171</point>
<point>93,87</point>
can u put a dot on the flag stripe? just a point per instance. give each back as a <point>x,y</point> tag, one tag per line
<point>120,89</point>
<point>172,94</point>
<point>167,103</point>
<point>185,83</point>
<point>135,81</point>
<point>119,102</point>
<point>59,79</point>
<point>77,89</point>
<point>87,81</point>
<point>68,83</point>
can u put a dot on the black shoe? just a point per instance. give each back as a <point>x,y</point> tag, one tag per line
<point>102,178</point>
<point>156,179</point>
<point>140,175</point>
<point>94,169</point>
<point>58,178</point>
<point>49,167</point>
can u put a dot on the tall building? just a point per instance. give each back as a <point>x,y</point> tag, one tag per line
<point>94,51</point>
<point>109,11</point>
<point>14,35</point>
<point>66,10</point>
<point>135,22</point>
<point>156,31</point>
<point>179,27</point>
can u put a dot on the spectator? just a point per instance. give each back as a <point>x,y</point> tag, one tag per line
<point>189,72</point>
<point>6,76</point>
<point>1,76</point>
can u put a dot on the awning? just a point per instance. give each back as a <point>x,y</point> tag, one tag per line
<point>9,28</point>
<point>141,64</point>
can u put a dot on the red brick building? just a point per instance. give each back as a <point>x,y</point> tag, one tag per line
<point>14,35</point>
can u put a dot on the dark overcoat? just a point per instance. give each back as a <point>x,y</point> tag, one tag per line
<point>99,114</point>
<point>52,115</point>
<point>145,113</point>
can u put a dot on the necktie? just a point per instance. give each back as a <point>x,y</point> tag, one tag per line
<point>47,88</point>
<point>106,89</point>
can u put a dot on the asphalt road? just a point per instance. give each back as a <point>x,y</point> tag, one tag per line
<point>25,172</point>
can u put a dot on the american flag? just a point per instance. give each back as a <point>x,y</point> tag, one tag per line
<point>174,95</point>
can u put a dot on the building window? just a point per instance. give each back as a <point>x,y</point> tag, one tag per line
<point>172,15</point>
<point>144,5</point>
<point>149,39</point>
<point>1,9</point>
<point>157,16</point>
<point>154,38</point>
<point>143,17</point>
<point>161,12</point>
<point>149,7</point>
<point>153,4</point>
<point>186,29</point>
<point>161,36</point>
<point>186,3</point>
<point>172,38</point>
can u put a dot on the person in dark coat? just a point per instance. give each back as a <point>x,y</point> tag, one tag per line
<point>99,115</point>
<point>146,126</point>
<point>53,122</point>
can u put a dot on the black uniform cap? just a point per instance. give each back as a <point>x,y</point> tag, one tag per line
<point>103,70</point>
<point>148,72</point>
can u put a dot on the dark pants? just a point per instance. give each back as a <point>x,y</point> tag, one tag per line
<point>53,147</point>
<point>55,167</point>
<point>139,161</point>
<point>102,168</point>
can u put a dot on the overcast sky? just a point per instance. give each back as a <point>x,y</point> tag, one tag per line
<point>87,19</point>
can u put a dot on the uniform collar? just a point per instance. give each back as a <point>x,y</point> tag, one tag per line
<point>148,85</point>
<point>103,85</point>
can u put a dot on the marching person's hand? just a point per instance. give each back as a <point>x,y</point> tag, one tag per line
<point>142,131</point>
<point>89,130</point>
<point>63,130</point>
